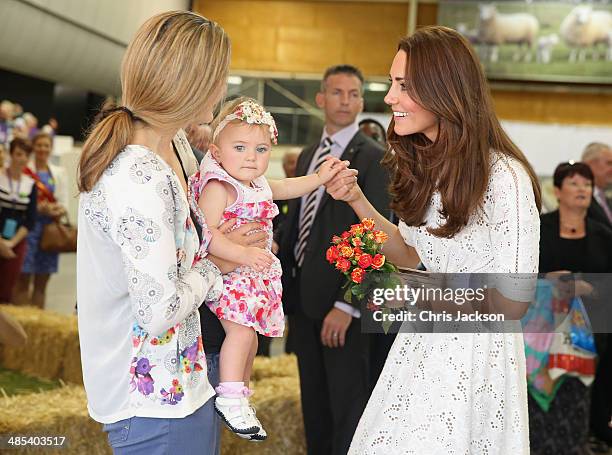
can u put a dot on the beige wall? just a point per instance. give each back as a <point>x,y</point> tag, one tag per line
<point>308,36</point>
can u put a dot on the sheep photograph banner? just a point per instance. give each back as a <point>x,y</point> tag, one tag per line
<point>538,40</point>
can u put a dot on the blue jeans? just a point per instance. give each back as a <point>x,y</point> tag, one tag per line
<point>198,433</point>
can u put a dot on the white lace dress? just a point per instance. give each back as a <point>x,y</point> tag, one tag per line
<point>461,393</point>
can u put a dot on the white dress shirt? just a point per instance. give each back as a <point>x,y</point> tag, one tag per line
<point>340,140</point>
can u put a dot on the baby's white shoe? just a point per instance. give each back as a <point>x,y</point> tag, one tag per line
<point>261,435</point>
<point>236,414</point>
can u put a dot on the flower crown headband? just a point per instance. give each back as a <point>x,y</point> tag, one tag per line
<point>252,113</point>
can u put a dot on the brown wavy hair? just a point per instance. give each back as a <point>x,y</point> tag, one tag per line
<point>444,77</point>
<point>175,63</point>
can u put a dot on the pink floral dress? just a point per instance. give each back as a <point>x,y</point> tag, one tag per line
<point>249,297</point>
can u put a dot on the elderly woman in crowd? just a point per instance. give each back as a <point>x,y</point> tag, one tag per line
<point>569,242</point>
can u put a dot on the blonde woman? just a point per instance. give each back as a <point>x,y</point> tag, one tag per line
<point>138,285</point>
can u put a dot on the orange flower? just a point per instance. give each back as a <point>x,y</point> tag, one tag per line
<point>357,275</point>
<point>356,229</point>
<point>356,241</point>
<point>368,224</point>
<point>332,254</point>
<point>346,251</point>
<point>370,236</point>
<point>336,240</point>
<point>378,261</point>
<point>343,265</point>
<point>365,261</point>
<point>380,236</point>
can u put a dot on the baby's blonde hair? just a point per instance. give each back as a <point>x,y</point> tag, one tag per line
<point>226,109</point>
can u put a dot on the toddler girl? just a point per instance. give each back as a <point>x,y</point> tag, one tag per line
<point>231,184</point>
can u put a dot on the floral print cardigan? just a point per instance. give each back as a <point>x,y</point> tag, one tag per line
<point>138,291</point>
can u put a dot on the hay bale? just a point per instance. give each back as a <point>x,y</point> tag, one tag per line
<point>277,400</point>
<point>279,366</point>
<point>52,350</point>
<point>71,368</point>
<point>59,412</point>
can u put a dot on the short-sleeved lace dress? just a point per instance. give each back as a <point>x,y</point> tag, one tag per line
<point>461,393</point>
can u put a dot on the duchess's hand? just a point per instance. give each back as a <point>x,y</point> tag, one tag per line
<point>344,187</point>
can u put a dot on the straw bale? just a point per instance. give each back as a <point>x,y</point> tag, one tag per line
<point>71,368</point>
<point>52,345</point>
<point>278,366</point>
<point>59,412</point>
<point>277,400</point>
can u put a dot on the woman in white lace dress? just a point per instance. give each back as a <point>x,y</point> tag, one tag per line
<point>468,200</point>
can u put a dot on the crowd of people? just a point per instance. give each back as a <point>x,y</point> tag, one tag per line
<point>178,248</point>
<point>33,194</point>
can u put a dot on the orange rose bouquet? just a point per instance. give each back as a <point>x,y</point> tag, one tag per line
<point>357,254</point>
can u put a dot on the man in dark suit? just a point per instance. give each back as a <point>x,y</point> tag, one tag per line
<point>332,352</point>
<point>598,157</point>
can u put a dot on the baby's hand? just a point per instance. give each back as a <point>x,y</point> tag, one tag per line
<point>257,259</point>
<point>330,168</point>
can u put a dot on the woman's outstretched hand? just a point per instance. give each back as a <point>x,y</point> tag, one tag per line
<point>344,187</point>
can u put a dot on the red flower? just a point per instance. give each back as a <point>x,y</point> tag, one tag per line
<point>356,241</point>
<point>346,251</point>
<point>343,265</point>
<point>332,254</point>
<point>378,261</point>
<point>175,382</point>
<point>357,275</point>
<point>336,240</point>
<point>346,235</point>
<point>358,252</point>
<point>368,224</point>
<point>365,261</point>
<point>219,312</point>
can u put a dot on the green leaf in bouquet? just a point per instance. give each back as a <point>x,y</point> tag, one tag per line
<point>386,324</point>
<point>348,295</point>
<point>359,290</point>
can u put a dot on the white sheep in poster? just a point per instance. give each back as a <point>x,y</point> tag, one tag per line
<point>495,29</point>
<point>585,28</point>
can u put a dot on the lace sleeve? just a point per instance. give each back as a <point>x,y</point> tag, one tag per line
<point>407,233</point>
<point>514,228</point>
